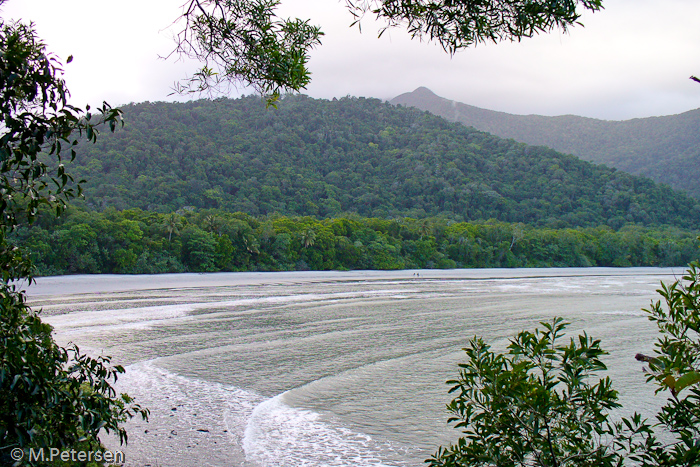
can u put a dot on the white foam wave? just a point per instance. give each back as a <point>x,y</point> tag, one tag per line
<point>81,322</point>
<point>195,422</point>
<point>621,312</point>
<point>277,434</point>
<point>192,422</point>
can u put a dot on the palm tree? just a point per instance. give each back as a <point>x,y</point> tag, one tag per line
<point>308,238</point>
<point>172,224</point>
<point>211,223</point>
<point>425,229</point>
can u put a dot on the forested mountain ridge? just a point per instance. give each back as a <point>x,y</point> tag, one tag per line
<point>666,149</point>
<point>323,158</point>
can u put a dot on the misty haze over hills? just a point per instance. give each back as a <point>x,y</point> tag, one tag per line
<point>666,149</point>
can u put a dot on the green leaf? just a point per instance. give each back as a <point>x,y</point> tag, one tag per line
<point>686,380</point>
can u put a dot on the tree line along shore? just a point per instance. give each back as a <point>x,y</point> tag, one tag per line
<point>133,241</point>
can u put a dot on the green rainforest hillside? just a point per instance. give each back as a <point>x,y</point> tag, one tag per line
<point>323,158</point>
<point>666,149</point>
<point>227,185</point>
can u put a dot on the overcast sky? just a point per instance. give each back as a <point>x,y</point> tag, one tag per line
<point>631,60</point>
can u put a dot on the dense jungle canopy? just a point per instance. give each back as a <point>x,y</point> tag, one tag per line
<point>323,158</point>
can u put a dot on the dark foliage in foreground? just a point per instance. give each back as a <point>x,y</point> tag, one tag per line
<point>544,402</point>
<point>50,396</point>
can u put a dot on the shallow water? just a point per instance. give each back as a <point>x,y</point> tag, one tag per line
<point>327,368</point>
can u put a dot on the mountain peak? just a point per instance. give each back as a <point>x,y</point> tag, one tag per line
<point>422,98</point>
<point>423,91</point>
<point>665,148</point>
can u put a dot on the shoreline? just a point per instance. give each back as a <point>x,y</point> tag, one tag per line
<point>109,283</point>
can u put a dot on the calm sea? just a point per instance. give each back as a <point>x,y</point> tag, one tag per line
<point>327,368</point>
